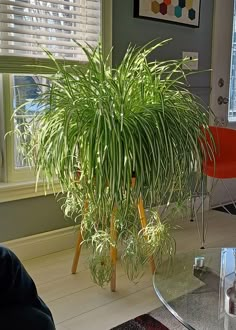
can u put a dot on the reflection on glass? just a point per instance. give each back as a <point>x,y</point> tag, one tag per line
<point>196,293</point>
<point>228,288</point>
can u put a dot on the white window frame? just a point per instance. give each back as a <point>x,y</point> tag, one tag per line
<point>20,183</point>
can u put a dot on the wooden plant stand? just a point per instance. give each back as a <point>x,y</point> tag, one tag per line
<point>113,250</point>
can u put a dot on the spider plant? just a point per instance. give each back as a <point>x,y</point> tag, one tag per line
<point>100,127</point>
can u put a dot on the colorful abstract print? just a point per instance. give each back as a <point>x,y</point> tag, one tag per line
<point>178,11</point>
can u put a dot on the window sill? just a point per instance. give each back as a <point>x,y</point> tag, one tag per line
<point>21,190</point>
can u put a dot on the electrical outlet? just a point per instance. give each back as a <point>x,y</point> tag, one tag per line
<point>192,64</point>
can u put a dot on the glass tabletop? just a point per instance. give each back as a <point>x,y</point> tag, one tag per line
<point>199,288</point>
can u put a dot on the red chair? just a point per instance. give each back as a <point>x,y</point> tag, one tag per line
<point>219,162</point>
<point>223,165</point>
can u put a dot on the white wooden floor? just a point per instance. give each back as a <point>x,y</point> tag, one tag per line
<point>77,303</point>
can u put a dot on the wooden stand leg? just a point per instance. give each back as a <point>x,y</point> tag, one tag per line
<point>78,246</point>
<point>113,250</point>
<point>77,253</point>
<point>143,220</point>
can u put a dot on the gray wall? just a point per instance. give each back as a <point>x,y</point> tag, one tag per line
<point>127,29</point>
<point>30,216</point>
<point>36,215</point>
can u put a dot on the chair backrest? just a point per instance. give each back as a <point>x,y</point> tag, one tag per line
<point>219,148</point>
<point>224,145</point>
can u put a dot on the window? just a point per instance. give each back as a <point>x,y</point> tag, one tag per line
<point>27,24</point>
<point>27,28</point>
<point>26,88</point>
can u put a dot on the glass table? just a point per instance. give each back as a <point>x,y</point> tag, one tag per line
<point>198,288</point>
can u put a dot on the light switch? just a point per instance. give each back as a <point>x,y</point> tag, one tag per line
<point>192,64</point>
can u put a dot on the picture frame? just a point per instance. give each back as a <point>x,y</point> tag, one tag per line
<point>184,12</point>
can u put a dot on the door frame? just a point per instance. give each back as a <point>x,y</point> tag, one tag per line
<point>219,66</point>
<point>222,32</point>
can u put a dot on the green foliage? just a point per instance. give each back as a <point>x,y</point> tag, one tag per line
<point>103,125</point>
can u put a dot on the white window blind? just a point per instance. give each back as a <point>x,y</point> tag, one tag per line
<point>25,25</point>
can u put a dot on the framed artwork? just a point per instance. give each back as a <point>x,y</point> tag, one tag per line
<point>186,12</point>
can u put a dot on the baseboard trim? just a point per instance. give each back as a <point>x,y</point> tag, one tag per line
<point>187,209</point>
<point>198,204</point>
<point>45,243</point>
<point>61,239</point>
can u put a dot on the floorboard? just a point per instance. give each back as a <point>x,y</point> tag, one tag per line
<point>78,304</point>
